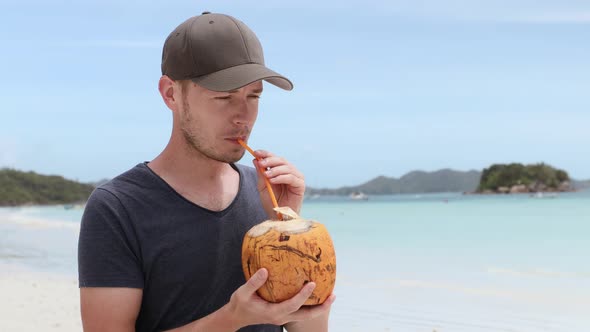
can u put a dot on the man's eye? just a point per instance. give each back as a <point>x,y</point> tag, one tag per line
<point>223,97</point>
<point>255,96</point>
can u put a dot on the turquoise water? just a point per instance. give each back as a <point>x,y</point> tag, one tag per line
<point>444,262</point>
<point>460,263</point>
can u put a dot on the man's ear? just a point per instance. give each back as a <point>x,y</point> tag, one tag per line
<point>169,91</point>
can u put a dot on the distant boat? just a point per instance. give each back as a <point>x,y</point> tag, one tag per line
<point>544,195</point>
<point>358,196</point>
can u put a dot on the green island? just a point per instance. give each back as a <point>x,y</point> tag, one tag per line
<point>29,188</point>
<point>496,179</point>
<point>519,178</point>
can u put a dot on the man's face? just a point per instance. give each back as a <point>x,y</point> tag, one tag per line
<point>211,122</point>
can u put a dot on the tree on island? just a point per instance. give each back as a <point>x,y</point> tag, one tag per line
<point>518,178</point>
<point>18,188</point>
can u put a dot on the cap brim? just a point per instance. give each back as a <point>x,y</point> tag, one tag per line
<point>238,76</point>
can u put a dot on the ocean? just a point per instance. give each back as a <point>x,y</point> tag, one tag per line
<point>428,262</point>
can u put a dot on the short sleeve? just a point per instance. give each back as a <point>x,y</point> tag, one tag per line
<point>108,248</point>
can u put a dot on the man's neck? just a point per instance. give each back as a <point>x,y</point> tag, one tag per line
<point>206,182</point>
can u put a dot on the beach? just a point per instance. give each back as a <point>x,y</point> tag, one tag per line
<point>36,301</point>
<point>411,263</point>
<point>38,278</point>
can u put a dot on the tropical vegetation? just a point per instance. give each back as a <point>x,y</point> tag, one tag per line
<point>20,188</point>
<point>531,178</point>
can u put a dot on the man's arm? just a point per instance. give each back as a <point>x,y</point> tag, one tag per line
<point>109,309</point>
<point>247,308</point>
<point>116,309</point>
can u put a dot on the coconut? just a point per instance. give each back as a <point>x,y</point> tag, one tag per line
<point>294,251</point>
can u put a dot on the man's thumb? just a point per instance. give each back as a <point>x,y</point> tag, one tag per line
<point>257,280</point>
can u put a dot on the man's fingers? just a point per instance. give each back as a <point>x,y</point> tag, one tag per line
<point>288,179</point>
<point>281,170</point>
<point>272,161</point>
<point>293,304</point>
<point>311,312</point>
<point>256,281</point>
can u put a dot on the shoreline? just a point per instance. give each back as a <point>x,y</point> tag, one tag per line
<point>531,193</point>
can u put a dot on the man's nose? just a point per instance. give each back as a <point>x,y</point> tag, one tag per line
<point>244,113</point>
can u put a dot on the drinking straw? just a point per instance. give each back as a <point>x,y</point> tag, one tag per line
<point>268,185</point>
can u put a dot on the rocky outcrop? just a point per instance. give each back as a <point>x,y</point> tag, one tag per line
<point>516,178</point>
<point>536,187</point>
<point>519,189</point>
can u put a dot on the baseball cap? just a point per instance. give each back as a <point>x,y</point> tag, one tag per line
<point>218,52</point>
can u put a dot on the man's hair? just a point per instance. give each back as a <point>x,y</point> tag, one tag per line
<point>184,85</point>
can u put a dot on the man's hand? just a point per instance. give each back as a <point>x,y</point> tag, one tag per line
<point>287,182</point>
<point>247,308</point>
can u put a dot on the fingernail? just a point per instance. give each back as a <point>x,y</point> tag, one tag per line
<point>310,288</point>
<point>263,162</point>
<point>268,173</point>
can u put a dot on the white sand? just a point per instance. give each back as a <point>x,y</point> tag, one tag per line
<point>33,301</point>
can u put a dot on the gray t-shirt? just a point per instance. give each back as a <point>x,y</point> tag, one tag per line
<point>138,232</point>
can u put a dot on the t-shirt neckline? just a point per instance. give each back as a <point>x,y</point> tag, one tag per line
<point>169,187</point>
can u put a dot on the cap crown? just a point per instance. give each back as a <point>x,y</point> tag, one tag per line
<point>209,43</point>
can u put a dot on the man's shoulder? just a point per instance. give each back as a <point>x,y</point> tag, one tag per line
<point>248,176</point>
<point>120,193</point>
<point>129,183</point>
<point>131,178</point>
<point>248,171</point>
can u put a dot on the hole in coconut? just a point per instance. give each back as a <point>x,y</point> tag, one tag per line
<point>319,254</point>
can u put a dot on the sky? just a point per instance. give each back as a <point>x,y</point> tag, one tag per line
<point>381,87</point>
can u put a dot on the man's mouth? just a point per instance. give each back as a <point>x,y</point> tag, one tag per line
<point>236,138</point>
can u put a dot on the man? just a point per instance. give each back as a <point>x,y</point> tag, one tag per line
<point>160,245</point>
